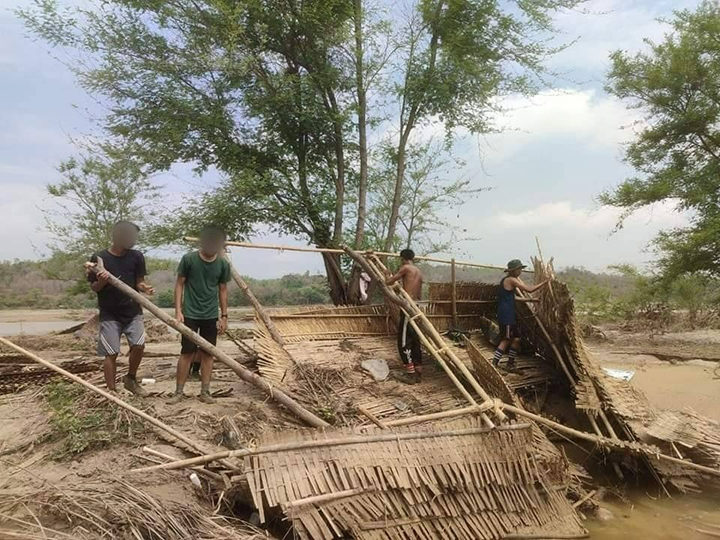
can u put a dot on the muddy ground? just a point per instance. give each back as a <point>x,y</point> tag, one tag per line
<point>674,370</point>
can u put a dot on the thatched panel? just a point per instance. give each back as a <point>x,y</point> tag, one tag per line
<point>453,480</point>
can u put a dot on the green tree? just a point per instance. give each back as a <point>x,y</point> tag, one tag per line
<point>278,95</point>
<point>456,57</point>
<point>676,86</point>
<point>96,192</point>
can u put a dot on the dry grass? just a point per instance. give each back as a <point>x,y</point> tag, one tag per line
<point>116,510</point>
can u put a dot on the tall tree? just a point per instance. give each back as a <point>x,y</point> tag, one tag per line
<point>676,151</point>
<point>458,57</point>
<point>429,194</point>
<point>249,88</point>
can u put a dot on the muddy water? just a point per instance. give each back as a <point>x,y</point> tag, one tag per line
<point>34,327</point>
<point>680,518</point>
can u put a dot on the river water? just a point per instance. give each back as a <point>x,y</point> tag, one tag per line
<point>680,518</point>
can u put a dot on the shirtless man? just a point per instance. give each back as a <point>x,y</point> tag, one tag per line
<point>408,341</point>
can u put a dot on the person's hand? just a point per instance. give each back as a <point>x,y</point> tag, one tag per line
<point>179,317</point>
<point>222,325</point>
<point>103,276</point>
<point>147,289</point>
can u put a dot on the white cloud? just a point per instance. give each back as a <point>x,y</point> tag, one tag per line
<point>603,219</point>
<point>589,118</point>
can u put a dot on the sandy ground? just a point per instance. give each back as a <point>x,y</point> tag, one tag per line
<point>674,370</point>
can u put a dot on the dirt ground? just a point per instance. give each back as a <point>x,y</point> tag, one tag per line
<point>677,370</point>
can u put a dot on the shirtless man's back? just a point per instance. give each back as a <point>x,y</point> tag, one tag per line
<point>408,341</point>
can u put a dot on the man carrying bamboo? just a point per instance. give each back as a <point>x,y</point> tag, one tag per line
<point>408,341</point>
<point>119,314</point>
<point>507,318</point>
<point>200,289</point>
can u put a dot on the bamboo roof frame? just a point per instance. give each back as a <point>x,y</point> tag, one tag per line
<point>338,251</point>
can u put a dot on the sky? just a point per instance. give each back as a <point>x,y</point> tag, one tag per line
<point>558,152</point>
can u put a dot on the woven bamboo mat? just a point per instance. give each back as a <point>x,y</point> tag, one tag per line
<point>484,485</point>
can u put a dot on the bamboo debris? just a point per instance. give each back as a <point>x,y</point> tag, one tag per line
<point>413,311</point>
<point>482,485</point>
<point>223,357</point>
<point>281,248</point>
<point>137,412</point>
<point>319,442</point>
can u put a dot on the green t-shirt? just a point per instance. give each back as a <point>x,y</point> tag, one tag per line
<point>202,279</point>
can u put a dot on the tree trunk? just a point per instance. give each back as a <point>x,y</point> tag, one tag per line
<point>336,281</point>
<point>353,286</point>
<point>408,126</point>
<point>362,125</point>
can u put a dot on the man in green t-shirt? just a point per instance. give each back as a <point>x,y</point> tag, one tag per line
<point>200,288</point>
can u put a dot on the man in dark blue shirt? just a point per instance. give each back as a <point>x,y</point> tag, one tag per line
<point>507,319</point>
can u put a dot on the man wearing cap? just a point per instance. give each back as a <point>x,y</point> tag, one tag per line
<point>507,321</point>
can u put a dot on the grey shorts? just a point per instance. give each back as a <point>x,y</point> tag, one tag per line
<point>111,332</point>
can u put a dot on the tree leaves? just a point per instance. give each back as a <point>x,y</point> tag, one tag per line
<point>677,151</point>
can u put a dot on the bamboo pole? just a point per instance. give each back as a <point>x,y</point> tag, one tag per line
<point>423,339</point>
<point>255,302</point>
<point>453,300</point>
<point>647,450</point>
<point>244,373</point>
<point>554,348</point>
<point>276,247</point>
<point>323,443</point>
<point>370,416</point>
<point>107,395</point>
<point>412,307</point>
<point>477,409</point>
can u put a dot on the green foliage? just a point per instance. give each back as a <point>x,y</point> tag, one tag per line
<point>166,298</point>
<point>95,193</point>
<point>292,289</point>
<point>267,92</point>
<point>677,149</point>
<point>81,421</point>
<point>426,194</point>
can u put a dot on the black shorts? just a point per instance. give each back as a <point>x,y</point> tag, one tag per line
<point>207,328</point>
<point>509,331</point>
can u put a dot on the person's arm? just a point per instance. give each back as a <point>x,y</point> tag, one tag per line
<point>179,286</point>
<point>390,280</point>
<point>223,290</point>
<point>140,273</point>
<point>528,288</point>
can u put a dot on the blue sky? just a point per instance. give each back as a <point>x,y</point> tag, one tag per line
<point>561,149</point>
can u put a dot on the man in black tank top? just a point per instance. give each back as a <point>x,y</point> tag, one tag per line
<point>507,319</point>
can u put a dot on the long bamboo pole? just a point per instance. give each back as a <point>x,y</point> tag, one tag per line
<point>259,309</point>
<point>244,373</point>
<point>107,395</point>
<point>275,247</point>
<point>413,308</point>
<point>554,348</point>
<point>321,443</point>
<point>373,272</point>
<point>453,300</point>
